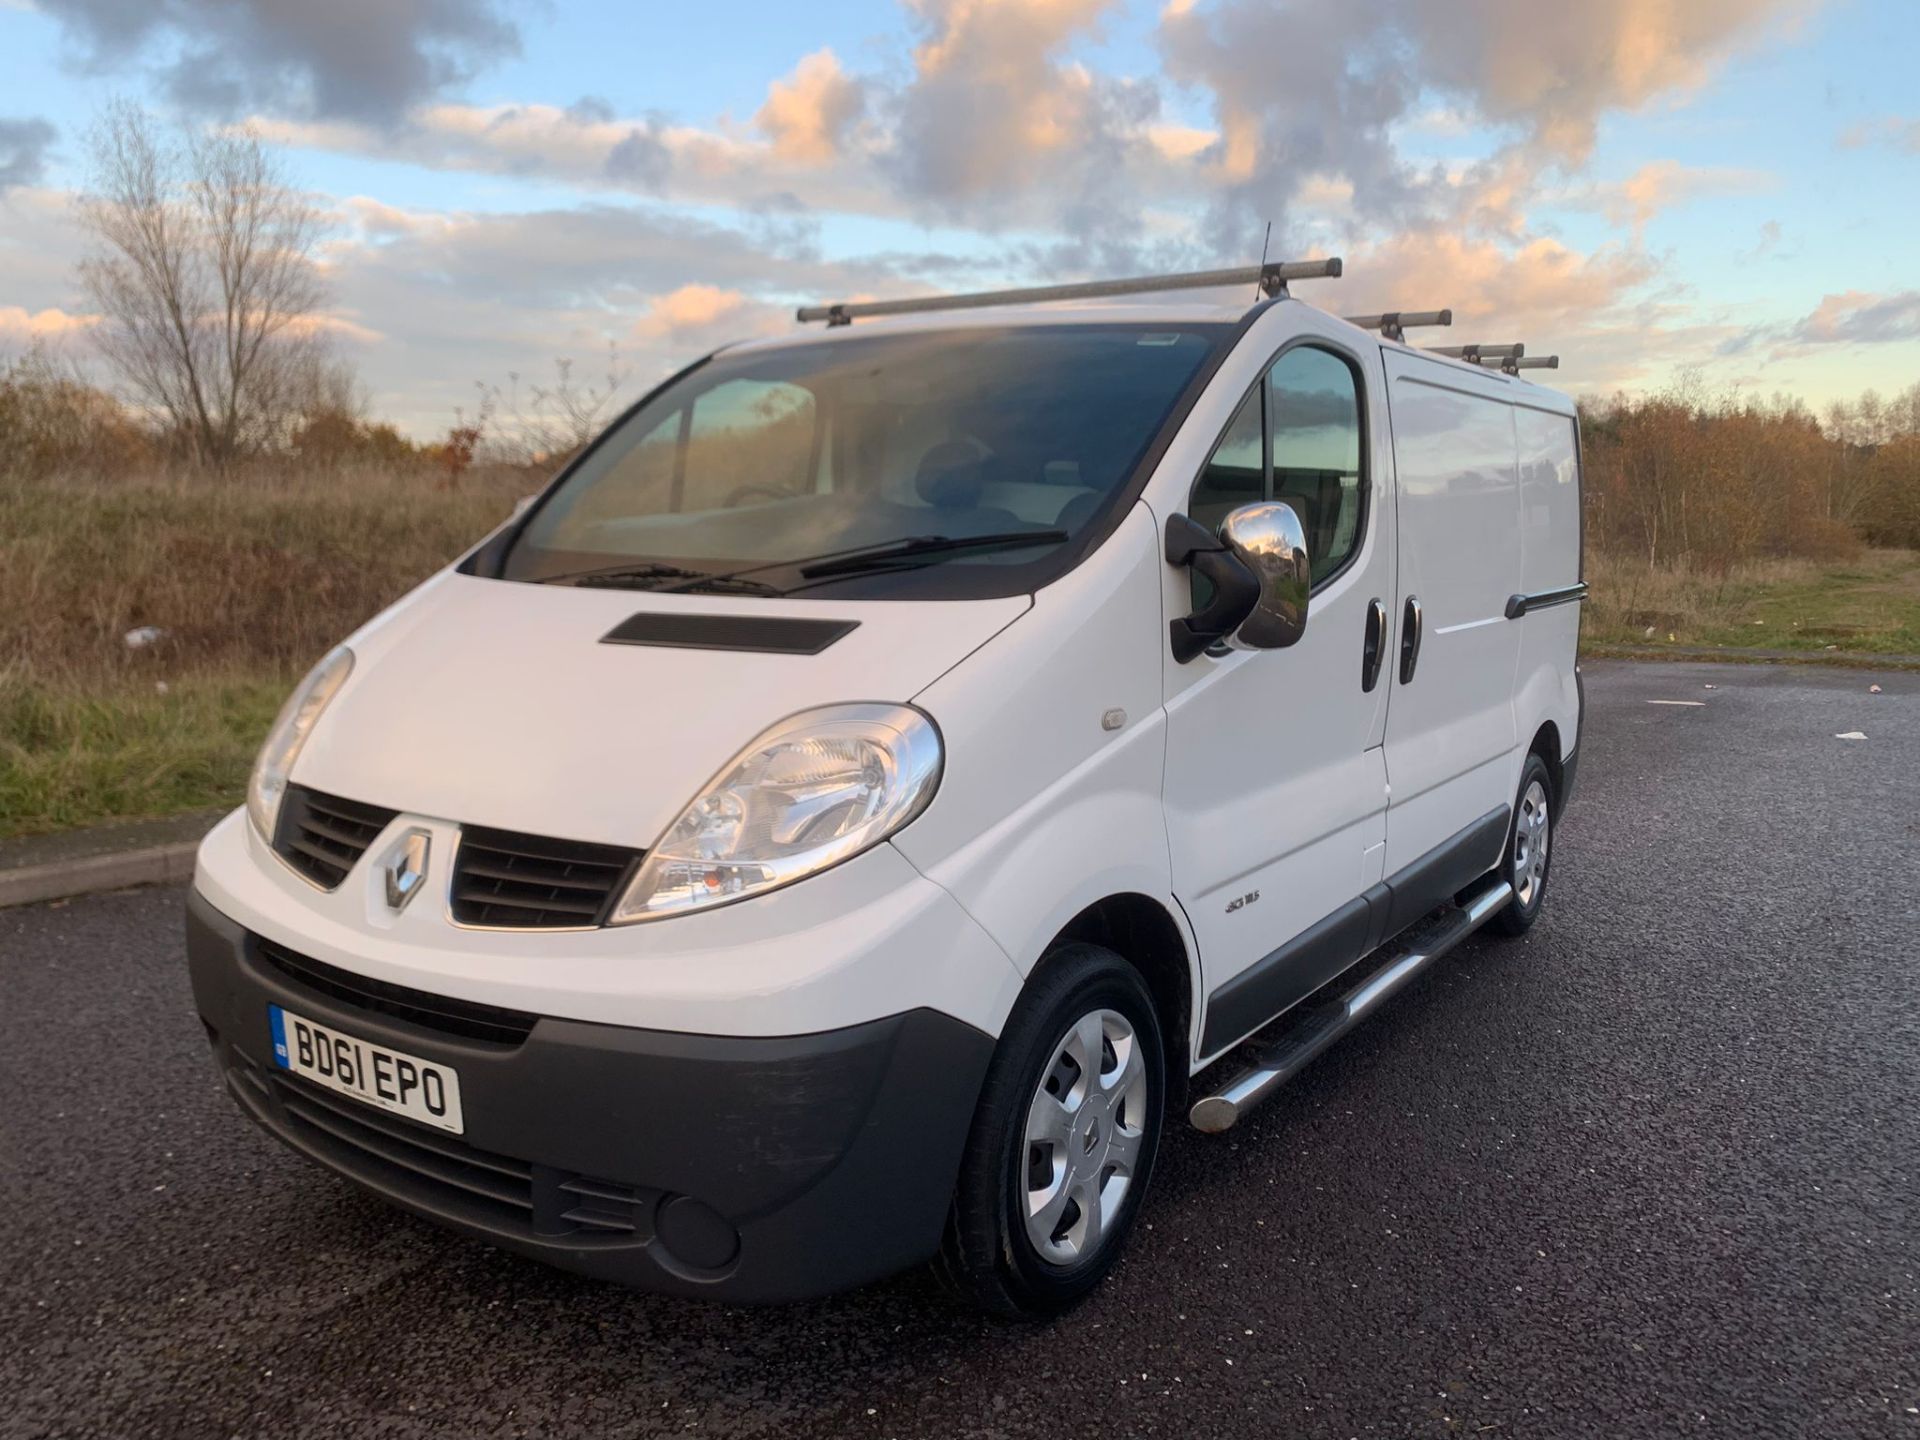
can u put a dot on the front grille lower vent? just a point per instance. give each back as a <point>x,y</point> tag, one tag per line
<point>530,882</point>
<point>467,1019</point>
<point>442,1173</point>
<point>324,836</point>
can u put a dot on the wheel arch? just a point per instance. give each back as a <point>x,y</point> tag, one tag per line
<point>1144,933</point>
<point>1546,744</point>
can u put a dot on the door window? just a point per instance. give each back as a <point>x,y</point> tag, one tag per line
<point>1236,472</point>
<point>1315,402</point>
<point>1305,450</point>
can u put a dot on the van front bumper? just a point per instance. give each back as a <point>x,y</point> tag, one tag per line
<point>744,1168</point>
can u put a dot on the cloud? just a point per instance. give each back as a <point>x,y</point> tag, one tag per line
<point>994,110</point>
<point>1667,184</point>
<point>1541,289</point>
<point>991,127</point>
<point>1321,86</point>
<point>476,297</point>
<point>1892,131</point>
<point>39,242</point>
<point>807,114</point>
<point>1853,317</point>
<point>367,60</point>
<point>700,317</point>
<point>1859,318</point>
<point>19,324</point>
<point>23,152</point>
<point>590,146</point>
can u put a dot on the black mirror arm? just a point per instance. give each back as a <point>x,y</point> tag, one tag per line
<point>1236,589</point>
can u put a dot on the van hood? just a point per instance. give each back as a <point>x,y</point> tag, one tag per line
<point>498,703</point>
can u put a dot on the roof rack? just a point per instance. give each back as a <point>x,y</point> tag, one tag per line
<point>1394,323</point>
<point>1477,354</point>
<point>1272,279</point>
<point>1517,363</point>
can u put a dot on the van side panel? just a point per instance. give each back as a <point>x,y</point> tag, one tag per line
<point>1550,560</point>
<point>1451,729</point>
<point>1042,810</point>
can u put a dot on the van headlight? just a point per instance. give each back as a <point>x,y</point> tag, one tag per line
<point>267,785</point>
<point>816,789</point>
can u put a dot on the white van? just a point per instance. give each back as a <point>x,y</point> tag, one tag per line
<point>840,822</point>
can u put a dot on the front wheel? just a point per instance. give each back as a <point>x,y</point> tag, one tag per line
<point>1063,1142</point>
<point>1525,867</point>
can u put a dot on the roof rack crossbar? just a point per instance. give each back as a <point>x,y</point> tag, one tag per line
<point>1477,353</point>
<point>1394,324</point>
<point>1272,279</point>
<point>1515,364</point>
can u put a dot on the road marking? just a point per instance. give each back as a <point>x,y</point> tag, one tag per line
<point>1695,704</point>
<point>1851,735</point>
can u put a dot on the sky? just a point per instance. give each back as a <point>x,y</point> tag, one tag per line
<point>1722,193</point>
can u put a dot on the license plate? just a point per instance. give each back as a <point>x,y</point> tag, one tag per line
<point>405,1084</point>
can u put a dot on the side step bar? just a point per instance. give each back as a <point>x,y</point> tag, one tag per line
<point>1321,1024</point>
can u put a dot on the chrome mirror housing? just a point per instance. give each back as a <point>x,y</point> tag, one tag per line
<point>1269,540</point>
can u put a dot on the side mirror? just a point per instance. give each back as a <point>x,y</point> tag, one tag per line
<point>1257,570</point>
<point>1268,538</point>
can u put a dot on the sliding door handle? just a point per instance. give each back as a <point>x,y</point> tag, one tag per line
<point>1411,620</point>
<point>1374,648</point>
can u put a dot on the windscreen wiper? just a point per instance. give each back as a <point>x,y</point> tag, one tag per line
<point>910,549</point>
<point>654,575</point>
<point>887,554</point>
<point>928,547</point>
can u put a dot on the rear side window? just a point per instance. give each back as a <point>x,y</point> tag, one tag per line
<point>1296,437</point>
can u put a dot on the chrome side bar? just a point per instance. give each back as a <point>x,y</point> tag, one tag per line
<point>1292,1052</point>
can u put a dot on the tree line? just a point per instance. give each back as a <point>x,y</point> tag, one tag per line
<point>1684,478</point>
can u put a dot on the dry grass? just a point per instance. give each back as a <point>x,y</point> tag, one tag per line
<point>1868,603</point>
<point>251,578</point>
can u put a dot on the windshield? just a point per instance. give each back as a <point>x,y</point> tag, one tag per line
<point>1012,440</point>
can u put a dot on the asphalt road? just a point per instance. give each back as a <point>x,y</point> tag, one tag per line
<point>1653,1170</point>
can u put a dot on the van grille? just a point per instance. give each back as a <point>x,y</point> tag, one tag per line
<point>324,836</point>
<point>498,1193</point>
<point>530,882</point>
<point>466,1019</point>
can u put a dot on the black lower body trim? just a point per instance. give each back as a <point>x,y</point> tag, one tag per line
<point>1276,983</point>
<point>733,1167</point>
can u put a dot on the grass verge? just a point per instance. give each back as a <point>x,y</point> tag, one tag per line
<point>71,757</point>
<point>1868,605</point>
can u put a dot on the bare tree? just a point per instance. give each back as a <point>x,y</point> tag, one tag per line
<point>205,276</point>
<point>559,419</point>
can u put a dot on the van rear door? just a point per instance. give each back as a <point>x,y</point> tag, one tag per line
<point>1450,745</point>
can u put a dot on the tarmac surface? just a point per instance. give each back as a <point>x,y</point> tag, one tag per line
<point>1653,1169</point>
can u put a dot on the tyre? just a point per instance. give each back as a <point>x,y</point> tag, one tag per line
<point>1529,850</point>
<point>1063,1142</point>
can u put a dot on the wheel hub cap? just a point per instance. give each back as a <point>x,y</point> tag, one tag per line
<point>1084,1129</point>
<point>1531,834</point>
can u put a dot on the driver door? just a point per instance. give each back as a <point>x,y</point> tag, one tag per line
<point>1276,791</point>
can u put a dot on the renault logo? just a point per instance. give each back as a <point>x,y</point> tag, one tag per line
<point>406,868</point>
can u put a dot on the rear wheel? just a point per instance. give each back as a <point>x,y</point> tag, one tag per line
<point>1063,1142</point>
<point>1528,849</point>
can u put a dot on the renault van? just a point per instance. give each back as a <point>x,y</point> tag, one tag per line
<point>844,819</point>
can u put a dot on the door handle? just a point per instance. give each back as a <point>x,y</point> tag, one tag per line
<point>1373,648</point>
<point>1410,627</point>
